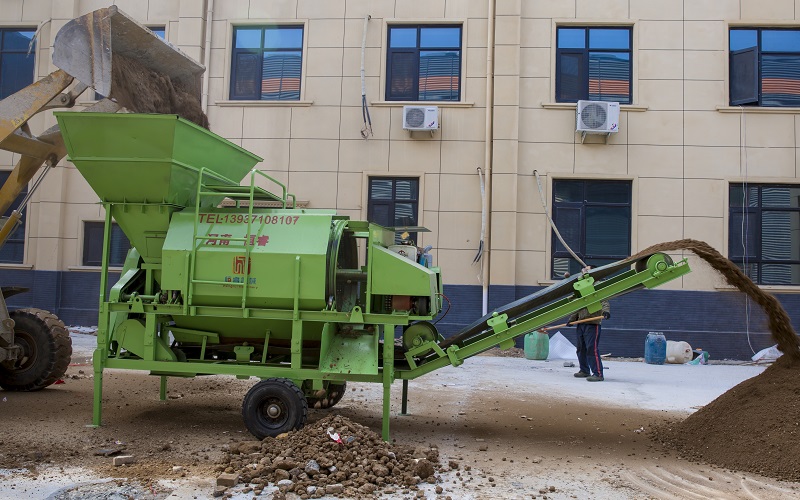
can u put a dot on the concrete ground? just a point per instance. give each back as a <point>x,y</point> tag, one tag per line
<point>522,426</point>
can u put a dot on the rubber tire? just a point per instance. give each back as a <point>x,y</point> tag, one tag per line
<point>47,347</point>
<point>282,393</point>
<point>339,388</point>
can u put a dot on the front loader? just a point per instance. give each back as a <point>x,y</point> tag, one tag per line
<point>35,347</point>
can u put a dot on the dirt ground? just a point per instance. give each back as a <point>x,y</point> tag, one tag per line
<point>516,443</point>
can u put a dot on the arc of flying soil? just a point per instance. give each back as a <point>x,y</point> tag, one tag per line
<point>779,323</point>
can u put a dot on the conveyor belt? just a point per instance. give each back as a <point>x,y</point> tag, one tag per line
<point>538,299</point>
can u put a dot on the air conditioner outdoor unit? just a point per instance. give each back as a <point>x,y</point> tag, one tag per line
<point>420,118</point>
<point>597,117</point>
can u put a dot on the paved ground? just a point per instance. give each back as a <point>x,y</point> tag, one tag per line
<point>537,424</point>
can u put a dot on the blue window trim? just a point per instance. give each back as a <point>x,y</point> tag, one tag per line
<point>754,260</point>
<point>390,203</point>
<point>260,52</point>
<point>584,52</point>
<point>587,186</point>
<point>759,58</point>
<point>415,51</point>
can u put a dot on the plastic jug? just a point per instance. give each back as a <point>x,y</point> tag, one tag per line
<point>678,352</point>
<point>655,348</point>
<point>537,345</point>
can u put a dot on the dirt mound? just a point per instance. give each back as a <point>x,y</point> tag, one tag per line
<point>309,463</point>
<point>752,427</point>
<point>779,323</point>
<point>143,90</point>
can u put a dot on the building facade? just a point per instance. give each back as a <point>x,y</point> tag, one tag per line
<point>705,147</point>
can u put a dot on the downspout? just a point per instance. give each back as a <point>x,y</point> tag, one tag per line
<point>487,161</point>
<point>207,54</point>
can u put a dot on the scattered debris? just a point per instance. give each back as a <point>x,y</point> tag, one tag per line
<point>321,460</point>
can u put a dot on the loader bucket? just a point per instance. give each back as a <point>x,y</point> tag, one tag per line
<point>87,46</point>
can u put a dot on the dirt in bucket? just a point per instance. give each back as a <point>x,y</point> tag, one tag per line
<point>310,463</point>
<point>754,426</point>
<point>143,90</point>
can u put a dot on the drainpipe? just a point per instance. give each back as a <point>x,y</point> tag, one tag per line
<point>207,54</point>
<point>487,161</point>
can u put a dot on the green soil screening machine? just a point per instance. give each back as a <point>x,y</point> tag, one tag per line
<point>305,300</point>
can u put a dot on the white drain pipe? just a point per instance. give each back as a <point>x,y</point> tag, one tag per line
<point>487,256</point>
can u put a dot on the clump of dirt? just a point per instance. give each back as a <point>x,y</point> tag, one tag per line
<point>752,427</point>
<point>309,463</point>
<point>142,90</point>
<point>779,323</point>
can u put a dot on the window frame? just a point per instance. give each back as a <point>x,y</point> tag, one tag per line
<point>390,24</point>
<point>416,202</point>
<point>584,52</point>
<point>759,29</point>
<point>91,228</point>
<point>34,53</point>
<point>264,26</point>
<point>754,256</point>
<point>581,252</point>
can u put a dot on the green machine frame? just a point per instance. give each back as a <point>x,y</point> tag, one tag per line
<point>157,175</point>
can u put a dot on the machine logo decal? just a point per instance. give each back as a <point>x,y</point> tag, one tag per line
<point>239,263</point>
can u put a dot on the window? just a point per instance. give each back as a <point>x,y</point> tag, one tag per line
<point>594,218</point>
<point>267,63</point>
<point>423,63</point>
<point>16,64</point>
<point>765,67</point>
<point>13,252</point>
<point>764,232</point>
<point>93,245</point>
<point>394,202</point>
<point>593,64</point>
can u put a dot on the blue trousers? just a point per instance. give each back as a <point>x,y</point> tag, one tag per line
<point>588,352</point>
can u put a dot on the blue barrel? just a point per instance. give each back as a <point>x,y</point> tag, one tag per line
<point>537,345</point>
<point>655,348</point>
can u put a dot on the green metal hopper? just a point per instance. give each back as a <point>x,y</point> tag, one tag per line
<point>148,166</point>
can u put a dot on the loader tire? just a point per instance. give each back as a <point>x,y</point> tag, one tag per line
<point>46,351</point>
<point>334,395</point>
<point>274,406</point>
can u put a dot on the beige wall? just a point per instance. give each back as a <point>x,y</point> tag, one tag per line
<point>679,143</point>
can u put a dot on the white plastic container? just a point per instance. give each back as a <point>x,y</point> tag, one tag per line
<point>678,352</point>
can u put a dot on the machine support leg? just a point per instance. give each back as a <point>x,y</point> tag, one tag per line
<point>404,407</point>
<point>162,390</point>
<point>388,376</point>
<point>97,408</point>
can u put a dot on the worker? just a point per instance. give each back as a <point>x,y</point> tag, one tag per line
<point>591,366</point>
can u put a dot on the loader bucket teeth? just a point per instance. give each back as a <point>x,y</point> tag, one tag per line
<point>86,47</point>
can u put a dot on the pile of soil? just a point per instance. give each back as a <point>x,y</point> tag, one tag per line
<point>142,90</point>
<point>752,427</point>
<point>309,463</point>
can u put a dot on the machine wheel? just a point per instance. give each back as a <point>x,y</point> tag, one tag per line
<point>274,406</point>
<point>46,351</point>
<point>334,394</point>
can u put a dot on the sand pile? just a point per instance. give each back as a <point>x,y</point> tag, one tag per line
<point>309,463</point>
<point>753,427</point>
<point>143,90</point>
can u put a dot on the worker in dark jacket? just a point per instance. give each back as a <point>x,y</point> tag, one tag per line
<point>591,366</point>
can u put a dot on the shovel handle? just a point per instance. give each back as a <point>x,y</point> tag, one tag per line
<point>584,320</point>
